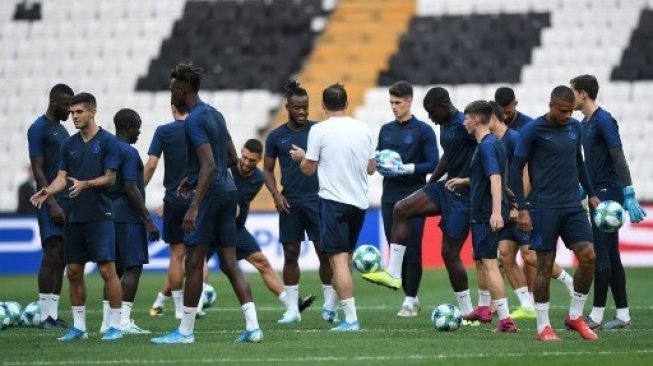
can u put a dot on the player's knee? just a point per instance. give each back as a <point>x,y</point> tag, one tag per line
<point>107,272</point>
<point>260,263</point>
<point>291,253</point>
<point>74,273</point>
<point>401,211</point>
<point>588,256</point>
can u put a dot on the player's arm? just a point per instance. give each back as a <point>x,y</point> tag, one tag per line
<point>137,201</point>
<point>496,188</point>
<point>232,155</point>
<point>308,159</point>
<point>154,154</point>
<point>430,152</point>
<point>57,185</point>
<point>103,181</point>
<point>583,176</point>
<point>41,181</point>
<point>610,133</point>
<point>515,176</point>
<point>440,169</point>
<point>150,168</point>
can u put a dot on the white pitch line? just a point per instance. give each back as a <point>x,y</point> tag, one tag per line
<point>327,359</point>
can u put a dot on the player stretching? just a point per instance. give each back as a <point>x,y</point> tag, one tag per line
<point>297,203</point>
<point>45,137</point>
<point>249,180</point>
<point>415,142</point>
<point>89,160</point>
<point>435,199</point>
<point>169,139</point>
<point>341,150</point>
<point>512,240</point>
<point>610,178</point>
<point>489,205</point>
<point>133,223</point>
<point>551,145</point>
<point>211,216</point>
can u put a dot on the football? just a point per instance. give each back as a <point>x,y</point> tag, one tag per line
<point>31,315</point>
<point>209,295</point>
<point>5,320</point>
<point>609,216</point>
<point>13,311</point>
<point>389,158</point>
<point>446,317</point>
<point>367,259</point>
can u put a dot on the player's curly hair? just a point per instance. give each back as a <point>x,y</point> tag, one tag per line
<point>188,73</point>
<point>294,89</point>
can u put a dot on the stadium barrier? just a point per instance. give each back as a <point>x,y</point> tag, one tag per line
<point>20,245</point>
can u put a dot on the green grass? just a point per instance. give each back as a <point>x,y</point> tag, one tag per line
<point>385,339</point>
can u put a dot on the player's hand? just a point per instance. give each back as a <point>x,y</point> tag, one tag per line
<point>39,197</point>
<point>635,211</point>
<point>524,221</point>
<point>57,214</point>
<point>189,219</point>
<point>152,230</point>
<point>183,190</point>
<point>594,201</point>
<point>514,213</point>
<point>159,211</point>
<point>77,187</point>
<point>297,153</point>
<point>456,183</point>
<point>281,203</point>
<point>496,221</point>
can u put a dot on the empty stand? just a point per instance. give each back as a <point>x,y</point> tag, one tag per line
<point>637,60</point>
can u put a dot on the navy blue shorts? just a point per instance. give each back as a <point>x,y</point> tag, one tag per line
<point>454,209</point>
<point>340,226</point>
<point>246,244</point>
<point>571,224</point>
<point>90,242</point>
<point>413,253</point>
<point>47,227</point>
<point>304,217</point>
<point>131,244</point>
<point>173,217</point>
<point>485,242</point>
<point>216,220</point>
<point>510,232</point>
<point>606,245</point>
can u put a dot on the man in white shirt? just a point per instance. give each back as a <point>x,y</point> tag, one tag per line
<point>341,150</point>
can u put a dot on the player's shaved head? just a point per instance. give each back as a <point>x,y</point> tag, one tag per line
<point>60,90</point>
<point>504,96</point>
<point>436,97</point>
<point>126,118</point>
<point>562,93</point>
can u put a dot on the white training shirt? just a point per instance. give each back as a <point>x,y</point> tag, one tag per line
<point>342,146</point>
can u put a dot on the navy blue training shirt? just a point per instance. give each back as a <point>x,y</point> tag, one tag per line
<point>555,164</point>
<point>489,159</point>
<point>170,140</point>
<point>248,188</point>
<point>600,134</point>
<point>520,121</point>
<point>205,125</point>
<point>415,142</point>
<point>278,145</point>
<point>130,169</point>
<point>458,147</point>
<point>86,161</point>
<point>509,140</point>
<point>44,139</point>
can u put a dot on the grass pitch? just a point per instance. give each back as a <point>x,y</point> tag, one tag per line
<point>384,339</point>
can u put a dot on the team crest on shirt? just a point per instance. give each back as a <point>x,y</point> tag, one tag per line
<point>572,134</point>
<point>408,139</point>
<point>95,149</point>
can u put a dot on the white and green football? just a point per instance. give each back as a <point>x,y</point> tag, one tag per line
<point>5,319</point>
<point>366,259</point>
<point>13,310</point>
<point>388,158</point>
<point>446,317</point>
<point>209,296</point>
<point>609,216</point>
<point>31,315</point>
